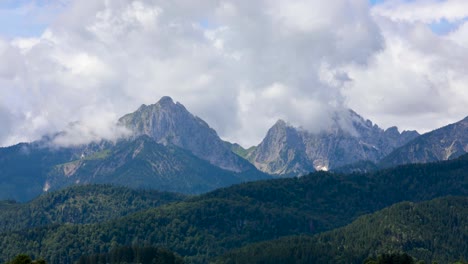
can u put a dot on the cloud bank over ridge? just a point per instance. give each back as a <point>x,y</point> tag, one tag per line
<point>240,65</point>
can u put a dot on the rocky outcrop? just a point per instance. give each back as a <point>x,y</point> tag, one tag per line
<point>287,150</point>
<point>445,143</point>
<point>282,152</point>
<point>170,123</point>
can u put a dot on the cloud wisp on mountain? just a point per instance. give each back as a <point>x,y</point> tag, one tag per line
<point>239,65</point>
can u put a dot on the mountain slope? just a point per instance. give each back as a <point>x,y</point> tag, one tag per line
<point>431,231</point>
<point>208,225</point>
<point>171,150</point>
<point>30,169</point>
<point>444,143</point>
<point>143,163</point>
<point>80,205</point>
<point>170,123</point>
<point>287,150</point>
<point>24,167</point>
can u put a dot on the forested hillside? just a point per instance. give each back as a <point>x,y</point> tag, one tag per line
<point>208,225</point>
<point>436,230</point>
<point>80,205</point>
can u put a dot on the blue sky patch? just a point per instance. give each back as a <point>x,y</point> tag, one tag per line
<point>444,26</point>
<point>376,2</point>
<point>26,18</point>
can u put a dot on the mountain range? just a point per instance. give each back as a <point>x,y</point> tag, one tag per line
<point>171,149</point>
<point>349,139</point>
<point>107,199</point>
<point>350,144</point>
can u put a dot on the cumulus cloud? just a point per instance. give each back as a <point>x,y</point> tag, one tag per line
<point>460,36</point>
<point>426,11</point>
<point>419,81</point>
<point>92,128</point>
<point>5,120</point>
<point>240,65</point>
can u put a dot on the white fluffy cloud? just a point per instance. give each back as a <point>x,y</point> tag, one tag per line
<point>240,65</point>
<point>420,80</point>
<point>105,58</point>
<point>426,11</point>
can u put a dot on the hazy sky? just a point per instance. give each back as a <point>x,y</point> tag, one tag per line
<point>239,65</point>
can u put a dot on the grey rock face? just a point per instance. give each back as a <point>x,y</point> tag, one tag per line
<point>291,151</point>
<point>170,123</point>
<point>445,143</point>
<point>282,152</point>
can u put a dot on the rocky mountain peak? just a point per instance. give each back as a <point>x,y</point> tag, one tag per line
<point>165,101</point>
<point>166,104</point>
<point>392,131</point>
<point>171,123</point>
<point>408,135</point>
<point>281,151</point>
<point>278,130</point>
<point>280,123</point>
<point>349,139</point>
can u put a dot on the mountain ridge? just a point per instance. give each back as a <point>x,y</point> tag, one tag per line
<point>171,150</point>
<point>174,150</point>
<point>287,150</point>
<point>447,142</point>
<point>143,163</point>
<point>171,123</point>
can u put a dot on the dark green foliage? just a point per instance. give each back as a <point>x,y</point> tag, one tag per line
<point>25,259</point>
<point>21,259</point>
<point>123,255</point>
<point>80,205</point>
<point>332,200</point>
<point>209,225</point>
<point>394,258</point>
<point>430,231</point>
<point>362,166</point>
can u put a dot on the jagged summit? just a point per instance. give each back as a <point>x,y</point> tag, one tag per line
<point>171,123</point>
<point>392,131</point>
<point>165,100</point>
<point>281,152</point>
<point>349,138</point>
<point>280,123</point>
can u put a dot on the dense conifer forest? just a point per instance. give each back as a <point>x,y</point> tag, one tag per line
<point>202,227</point>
